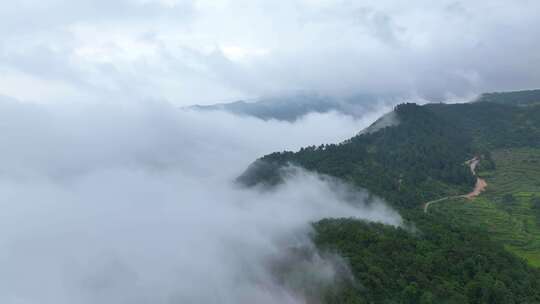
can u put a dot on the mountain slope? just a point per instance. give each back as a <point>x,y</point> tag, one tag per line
<point>417,157</point>
<point>420,158</point>
<point>510,207</point>
<point>526,97</point>
<point>448,263</point>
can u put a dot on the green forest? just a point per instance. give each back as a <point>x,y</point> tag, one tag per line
<point>442,256</point>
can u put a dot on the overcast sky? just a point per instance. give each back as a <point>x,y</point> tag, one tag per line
<point>110,194</point>
<point>205,51</point>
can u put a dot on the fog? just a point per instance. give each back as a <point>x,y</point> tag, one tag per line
<point>133,202</point>
<point>110,193</point>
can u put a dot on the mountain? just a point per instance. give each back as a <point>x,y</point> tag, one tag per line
<point>291,108</point>
<point>526,97</point>
<point>417,154</point>
<point>418,158</point>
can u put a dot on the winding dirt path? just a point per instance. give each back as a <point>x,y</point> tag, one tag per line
<point>479,187</point>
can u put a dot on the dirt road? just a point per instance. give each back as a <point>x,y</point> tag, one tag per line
<point>479,187</point>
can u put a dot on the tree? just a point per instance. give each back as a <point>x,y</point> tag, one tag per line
<point>427,298</point>
<point>411,294</point>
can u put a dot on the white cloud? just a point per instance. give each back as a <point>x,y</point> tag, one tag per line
<point>204,51</point>
<point>133,202</point>
<point>238,53</point>
<point>107,199</point>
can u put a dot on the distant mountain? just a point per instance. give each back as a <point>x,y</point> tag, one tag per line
<point>291,108</point>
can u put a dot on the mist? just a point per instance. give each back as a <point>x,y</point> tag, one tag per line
<point>113,191</point>
<point>134,202</point>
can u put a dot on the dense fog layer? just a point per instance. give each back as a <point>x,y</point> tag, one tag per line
<point>135,203</point>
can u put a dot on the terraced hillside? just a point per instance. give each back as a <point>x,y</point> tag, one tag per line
<point>510,208</point>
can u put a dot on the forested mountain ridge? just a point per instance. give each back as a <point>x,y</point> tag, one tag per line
<point>447,263</point>
<point>494,125</point>
<point>526,97</point>
<point>420,156</point>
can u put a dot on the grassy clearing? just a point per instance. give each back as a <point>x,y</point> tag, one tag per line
<point>507,208</point>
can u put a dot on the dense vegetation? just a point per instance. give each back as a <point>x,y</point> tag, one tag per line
<point>420,157</point>
<point>492,125</point>
<point>450,264</point>
<point>510,208</point>
<point>513,98</point>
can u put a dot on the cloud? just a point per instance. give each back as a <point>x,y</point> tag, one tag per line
<point>133,202</point>
<point>109,199</point>
<point>200,51</point>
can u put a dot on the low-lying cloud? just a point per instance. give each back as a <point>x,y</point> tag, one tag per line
<point>135,203</point>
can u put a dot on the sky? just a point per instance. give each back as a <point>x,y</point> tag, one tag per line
<point>112,193</point>
<point>207,51</point>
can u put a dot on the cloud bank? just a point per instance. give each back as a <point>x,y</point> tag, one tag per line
<point>133,203</point>
<point>206,51</point>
